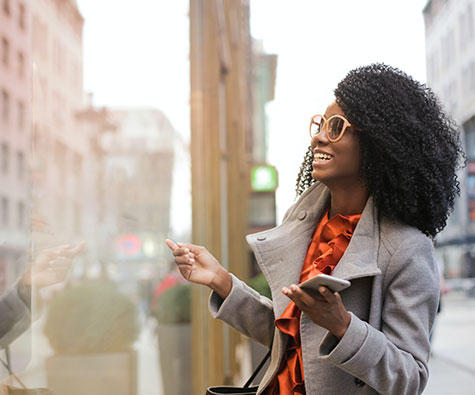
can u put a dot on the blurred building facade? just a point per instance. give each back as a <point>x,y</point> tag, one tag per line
<point>99,219</point>
<point>67,159</point>
<point>144,159</point>
<point>450,59</point>
<point>117,178</point>
<point>264,178</point>
<point>264,69</point>
<point>59,151</point>
<point>103,175</point>
<point>15,132</point>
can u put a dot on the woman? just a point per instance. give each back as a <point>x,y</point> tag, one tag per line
<point>378,181</point>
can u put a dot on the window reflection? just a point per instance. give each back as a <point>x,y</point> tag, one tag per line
<point>70,170</point>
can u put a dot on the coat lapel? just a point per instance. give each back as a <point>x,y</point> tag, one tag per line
<point>280,252</point>
<point>360,257</point>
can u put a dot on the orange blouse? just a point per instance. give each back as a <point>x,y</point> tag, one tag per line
<point>329,242</point>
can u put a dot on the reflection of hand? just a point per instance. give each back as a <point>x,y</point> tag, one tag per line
<point>51,266</point>
<point>325,309</point>
<point>196,264</point>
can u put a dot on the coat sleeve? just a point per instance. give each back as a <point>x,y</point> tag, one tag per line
<point>15,314</point>
<point>245,310</point>
<point>394,360</point>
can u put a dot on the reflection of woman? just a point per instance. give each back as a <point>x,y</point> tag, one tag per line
<point>49,267</point>
<point>378,179</point>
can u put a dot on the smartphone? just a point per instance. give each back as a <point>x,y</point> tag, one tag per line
<point>334,284</point>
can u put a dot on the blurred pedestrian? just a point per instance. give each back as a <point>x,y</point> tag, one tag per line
<point>145,292</point>
<point>377,182</point>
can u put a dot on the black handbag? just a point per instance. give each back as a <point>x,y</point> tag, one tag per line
<point>246,390</point>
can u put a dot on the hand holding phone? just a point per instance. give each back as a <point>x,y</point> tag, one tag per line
<point>334,284</point>
<point>319,299</point>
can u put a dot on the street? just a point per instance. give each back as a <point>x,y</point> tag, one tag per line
<point>452,365</point>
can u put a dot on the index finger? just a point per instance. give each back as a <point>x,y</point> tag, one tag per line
<point>171,244</point>
<point>76,250</point>
<point>71,251</point>
<point>192,247</point>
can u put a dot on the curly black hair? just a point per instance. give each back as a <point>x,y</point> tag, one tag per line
<point>410,148</point>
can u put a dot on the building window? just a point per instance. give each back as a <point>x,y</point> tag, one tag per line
<point>466,26</point>
<point>21,16</point>
<point>448,48</point>
<point>5,105</point>
<point>472,76</point>
<point>60,156</point>
<point>61,214</point>
<point>21,215</point>
<point>433,68</point>
<point>466,80</point>
<point>39,37</point>
<point>452,96</point>
<point>462,33</point>
<point>5,212</point>
<point>469,128</point>
<point>58,57</point>
<point>5,51</point>
<point>5,158</point>
<point>21,116</point>
<point>6,6</point>
<point>469,20</point>
<point>77,218</point>
<point>20,165</point>
<point>77,169</point>
<point>21,64</point>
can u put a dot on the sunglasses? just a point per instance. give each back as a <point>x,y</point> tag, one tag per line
<point>335,127</point>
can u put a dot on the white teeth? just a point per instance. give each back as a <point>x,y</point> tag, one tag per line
<point>321,156</point>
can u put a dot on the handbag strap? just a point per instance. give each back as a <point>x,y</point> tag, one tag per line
<point>256,372</point>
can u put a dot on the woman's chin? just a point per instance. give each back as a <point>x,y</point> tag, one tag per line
<point>317,176</point>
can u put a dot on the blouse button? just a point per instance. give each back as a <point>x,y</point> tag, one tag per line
<point>302,215</point>
<point>261,238</point>
<point>359,383</point>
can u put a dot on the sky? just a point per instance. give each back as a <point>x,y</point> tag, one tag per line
<point>136,53</point>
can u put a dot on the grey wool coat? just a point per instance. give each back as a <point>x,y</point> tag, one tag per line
<point>15,315</point>
<point>392,301</point>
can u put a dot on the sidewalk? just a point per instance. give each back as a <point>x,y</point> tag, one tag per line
<point>452,366</point>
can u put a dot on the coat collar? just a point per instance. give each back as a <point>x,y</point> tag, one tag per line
<point>280,252</point>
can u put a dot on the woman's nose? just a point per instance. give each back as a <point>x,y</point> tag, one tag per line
<point>321,138</point>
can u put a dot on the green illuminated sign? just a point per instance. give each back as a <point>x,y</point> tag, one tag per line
<point>263,178</point>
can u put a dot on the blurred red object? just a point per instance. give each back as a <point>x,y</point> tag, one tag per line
<point>171,279</point>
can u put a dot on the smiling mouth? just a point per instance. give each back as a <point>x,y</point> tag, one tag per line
<point>321,158</point>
